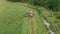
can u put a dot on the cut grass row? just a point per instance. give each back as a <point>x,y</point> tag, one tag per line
<point>38,17</point>
<point>50,17</point>
<point>55,23</point>
<point>13,21</point>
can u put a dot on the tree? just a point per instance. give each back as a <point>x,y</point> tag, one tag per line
<point>51,4</point>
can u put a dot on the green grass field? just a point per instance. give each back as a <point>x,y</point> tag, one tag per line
<point>13,20</point>
<point>51,18</point>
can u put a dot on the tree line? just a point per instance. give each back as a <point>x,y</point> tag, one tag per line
<point>50,4</point>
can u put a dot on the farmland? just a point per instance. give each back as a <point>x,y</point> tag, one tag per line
<point>13,20</point>
<point>53,19</point>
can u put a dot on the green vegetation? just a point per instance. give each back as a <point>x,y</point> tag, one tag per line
<point>53,18</point>
<point>13,20</point>
<point>14,17</point>
<point>49,4</point>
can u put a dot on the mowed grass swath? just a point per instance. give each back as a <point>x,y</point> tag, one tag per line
<point>13,20</point>
<point>53,18</point>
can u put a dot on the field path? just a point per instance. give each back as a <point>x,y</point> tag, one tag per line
<point>30,27</point>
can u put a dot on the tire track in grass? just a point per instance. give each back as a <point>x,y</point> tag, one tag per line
<point>34,20</point>
<point>30,26</point>
<point>34,25</point>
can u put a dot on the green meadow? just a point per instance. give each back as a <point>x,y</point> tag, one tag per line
<point>13,19</point>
